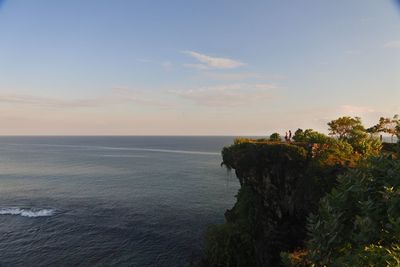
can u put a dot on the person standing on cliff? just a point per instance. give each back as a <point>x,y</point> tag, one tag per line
<point>290,135</point>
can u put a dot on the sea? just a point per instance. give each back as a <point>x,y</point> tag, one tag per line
<point>110,201</point>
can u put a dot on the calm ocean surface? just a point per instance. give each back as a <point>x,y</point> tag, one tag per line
<point>137,201</point>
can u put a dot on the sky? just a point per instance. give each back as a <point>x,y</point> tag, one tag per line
<point>209,67</point>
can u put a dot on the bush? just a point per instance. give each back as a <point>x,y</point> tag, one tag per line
<point>232,243</point>
<point>275,137</point>
<point>365,144</point>
<point>310,136</point>
<point>358,224</point>
<point>242,140</point>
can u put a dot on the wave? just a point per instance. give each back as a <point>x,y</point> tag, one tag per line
<point>123,156</point>
<point>86,147</point>
<point>27,212</point>
<point>164,150</point>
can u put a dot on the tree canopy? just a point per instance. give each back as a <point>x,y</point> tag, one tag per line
<point>358,223</point>
<point>345,127</point>
<point>275,137</point>
<point>390,126</point>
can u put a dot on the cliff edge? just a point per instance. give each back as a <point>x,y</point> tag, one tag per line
<point>281,184</point>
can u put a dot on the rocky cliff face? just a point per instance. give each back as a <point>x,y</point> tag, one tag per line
<point>276,175</point>
<point>280,185</point>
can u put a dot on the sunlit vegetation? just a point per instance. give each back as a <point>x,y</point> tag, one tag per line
<point>389,126</point>
<point>317,200</point>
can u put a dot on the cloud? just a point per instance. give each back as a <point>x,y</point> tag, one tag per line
<point>355,110</point>
<point>197,66</point>
<point>114,96</point>
<point>213,62</point>
<point>232,76</point>
<point>230,95</point>
<point>138,96</point>
<point>167,65</point>
<point>240,76</point>
<point>44,101</point>
<point>353,52</point>
<point>392,44</point>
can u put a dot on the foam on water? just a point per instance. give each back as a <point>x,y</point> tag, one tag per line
<point>27,212</point>
<point>176,151</point>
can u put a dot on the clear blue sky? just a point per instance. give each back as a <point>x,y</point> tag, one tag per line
<point>195,67</point>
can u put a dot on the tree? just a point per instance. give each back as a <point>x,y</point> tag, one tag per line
<point>275,137</point>
<point>387,125</point>
<point>310,136</point>
<point>398,132</point>
<point>345,127</point>
<point>364,144</point>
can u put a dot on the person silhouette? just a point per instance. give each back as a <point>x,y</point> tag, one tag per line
<point>290,135</point>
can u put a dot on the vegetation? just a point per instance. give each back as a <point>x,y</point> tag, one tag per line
<point>231,244</point>
<point>317,201</point>
<point>352,131</point>
<point>390,126</point>
<point>237,242</point>
<point>310,136</point>
<point>275,137</point>
<point>358,223</point>
<point>345,127</point>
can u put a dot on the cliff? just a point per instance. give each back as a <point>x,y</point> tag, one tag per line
<point>285,184</point>
<point>281,184</point>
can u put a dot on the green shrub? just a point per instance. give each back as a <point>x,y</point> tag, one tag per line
<point>358,223</point>
<point>232,243</point>
<point>365,144</point>
<point>310,136</point>
<point>275,137</point>
<point>242,140</point>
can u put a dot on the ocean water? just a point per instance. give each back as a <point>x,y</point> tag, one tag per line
<point>126,201</point>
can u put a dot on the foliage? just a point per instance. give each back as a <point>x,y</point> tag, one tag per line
<point>246,140</point>
<point>325,149</point>
<point>275,137</point>
<point>390,126</point>
<point>365,144</point>
<point>344,127</point>
<point>244,156</point>
<point>242,140</point>
<point>358,224</point>
<point>310,136</point>
<point>398,131</point>
<point>297,258</point>
<point>287,181</point>
<point>232,243</point>
<point>352,131</point>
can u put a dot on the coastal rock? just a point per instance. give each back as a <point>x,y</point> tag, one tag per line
<point>280,185</point>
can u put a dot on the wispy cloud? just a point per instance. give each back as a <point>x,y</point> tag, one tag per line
<point>209,62</point>
<point>232,76</point>
<point>240,76</point>
<point>114,96</point>
<point>353,52</point>
<point>230,95</point>
<point>168,65</point>
<point>139,96</point>
<point>197,66</point>
<point>355,110</point>
<point>392,44</point>
<point>44,101</point>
